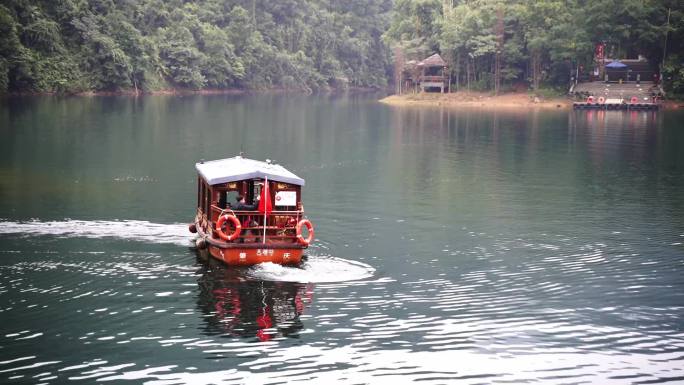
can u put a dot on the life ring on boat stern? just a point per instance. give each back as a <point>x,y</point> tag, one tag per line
<point>219,227</point>
<point>309,227</point>
<point>601,100</point>
<point>634,100</point>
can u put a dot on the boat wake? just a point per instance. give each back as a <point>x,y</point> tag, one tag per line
<point>317,269</point>
<point>174,233</point>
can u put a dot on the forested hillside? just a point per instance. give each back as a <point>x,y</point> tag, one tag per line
<point>147,45</point>
<point>502,42</point>
<point>113,45</point>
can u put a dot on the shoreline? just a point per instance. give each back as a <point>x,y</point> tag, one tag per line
<point>181,92</point>
<point>512,100</point>
<point>476,99</point>
<point>672,104</point>
<point>483,100</point>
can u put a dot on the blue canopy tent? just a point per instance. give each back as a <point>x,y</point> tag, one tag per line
<point>616,71</point>
<point>616,65</point>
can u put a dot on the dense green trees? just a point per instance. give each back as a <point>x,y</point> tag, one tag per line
<point>107,45</point>
<point>537,42</point>
<point>112,45</point>
<point>673,69</point>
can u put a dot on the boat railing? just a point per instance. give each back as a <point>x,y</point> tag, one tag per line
<point>280,224</point>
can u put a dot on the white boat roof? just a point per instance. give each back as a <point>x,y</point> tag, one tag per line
<point>239,168</point>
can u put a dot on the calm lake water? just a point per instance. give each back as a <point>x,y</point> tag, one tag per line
<point>453,246</point>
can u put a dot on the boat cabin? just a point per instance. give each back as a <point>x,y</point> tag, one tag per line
<point>250,211</point>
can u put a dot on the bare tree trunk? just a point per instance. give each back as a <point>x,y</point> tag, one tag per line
<point>398,69</point>
<point>497,73</point>
<point>468,74</point>
<point>458,68</point>
<point>536,69</point>
<point>499,50</point>
<point>539,70</point>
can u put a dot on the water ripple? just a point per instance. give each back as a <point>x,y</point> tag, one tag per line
<point>144,231</point>
<point>552,310</point>
<point>316,269</point>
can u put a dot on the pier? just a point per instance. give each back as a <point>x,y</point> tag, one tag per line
<point>615,104</point>
<point>617,96</point>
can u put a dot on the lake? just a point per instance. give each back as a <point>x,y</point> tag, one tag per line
<point>473,246</point>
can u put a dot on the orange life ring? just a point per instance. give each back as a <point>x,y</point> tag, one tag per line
<point>601,100</point>
<point>634,100</point>
<point>590,100</point>
<point>309,227</point>
<point>219,227</point>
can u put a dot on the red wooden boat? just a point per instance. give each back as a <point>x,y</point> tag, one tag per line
<point>269,226</point>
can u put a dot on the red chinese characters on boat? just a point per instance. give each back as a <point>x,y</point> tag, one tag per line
<point>250,212</point>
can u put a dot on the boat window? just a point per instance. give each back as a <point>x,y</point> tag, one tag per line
<point>257,190</point>
<point>200,190</point>
<point>215,196</point>
<point>222,202</point>
<point>253,190</point>
<point>230,197</point>
<point>207,196</point>
<point>210,191</point>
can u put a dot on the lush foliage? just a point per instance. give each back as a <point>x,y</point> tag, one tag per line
<point>538,42</point>
<point>112,45</point>
<point>77,45</point>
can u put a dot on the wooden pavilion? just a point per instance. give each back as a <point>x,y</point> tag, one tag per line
<point>434,72</point>
<point>428,74</point>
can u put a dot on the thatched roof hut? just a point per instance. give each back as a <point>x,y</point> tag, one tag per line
<point>428,73</point>
<point>433,61</point>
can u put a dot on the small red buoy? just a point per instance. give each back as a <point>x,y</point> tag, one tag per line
<point>590,100</point>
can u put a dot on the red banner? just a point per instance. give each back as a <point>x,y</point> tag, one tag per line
<point>600,48</point>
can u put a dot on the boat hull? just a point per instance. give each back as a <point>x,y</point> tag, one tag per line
<point>249,253</point>
<point>245,256</point>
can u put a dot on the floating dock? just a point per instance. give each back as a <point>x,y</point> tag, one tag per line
<point>614,104</point>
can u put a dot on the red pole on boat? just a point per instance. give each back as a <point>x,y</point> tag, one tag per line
<point>265,205</point>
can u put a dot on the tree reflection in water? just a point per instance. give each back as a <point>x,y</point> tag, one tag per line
<point>234,306</point>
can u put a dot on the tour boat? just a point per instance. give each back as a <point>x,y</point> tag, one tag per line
<point>269,226</point>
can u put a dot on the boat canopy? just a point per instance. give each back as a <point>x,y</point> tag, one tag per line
<point>239,168</point>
